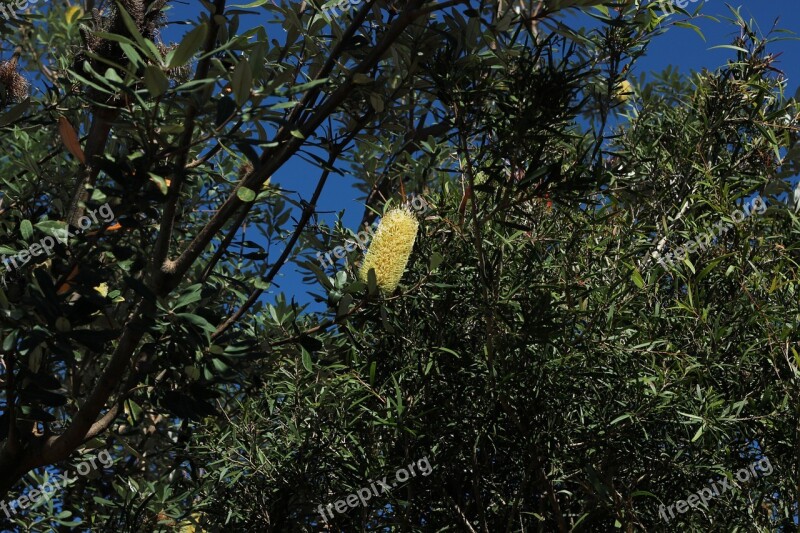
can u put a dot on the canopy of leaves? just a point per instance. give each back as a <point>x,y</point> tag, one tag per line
<point>555,375</point>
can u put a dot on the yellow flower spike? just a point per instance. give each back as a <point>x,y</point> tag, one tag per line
<point>623,91</point>
<point>74,13</point>
<point>390,248</point>
<point>102,289</point>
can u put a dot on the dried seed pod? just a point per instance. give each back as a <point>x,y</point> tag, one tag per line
<point>180,74</point>
<point>13,87</point>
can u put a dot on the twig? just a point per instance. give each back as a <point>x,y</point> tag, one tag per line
<point>308,211</point>
<point>161,249</point>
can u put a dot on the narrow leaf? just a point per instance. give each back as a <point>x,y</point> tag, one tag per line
<point>155,80</point>
<point>190,44</point>
<point>242,82</point>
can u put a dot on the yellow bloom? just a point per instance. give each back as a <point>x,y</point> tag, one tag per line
<point>390,249</point>
<point>623,91</point>
<point>102,289</point>
<point>74,13</point>
<point>189,526</point>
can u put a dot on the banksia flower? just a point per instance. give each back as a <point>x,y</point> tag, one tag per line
<point>102,289</point>
<point>623,92</point>
<point>73,14</point>
<point>390,249</point>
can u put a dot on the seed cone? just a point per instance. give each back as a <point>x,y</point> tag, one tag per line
<point>390,249</point>
<point>147,16</point>
<point>12,85</point>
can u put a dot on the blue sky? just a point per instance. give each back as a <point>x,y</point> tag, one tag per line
<point>686,50</point>
<point>679,47</point>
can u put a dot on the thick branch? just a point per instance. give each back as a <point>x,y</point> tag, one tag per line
<point>60,447</point>
<point>96,141</point>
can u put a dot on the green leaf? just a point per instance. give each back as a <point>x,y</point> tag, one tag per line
<point>637,278</point>
<point>355,287</point>
<point>731,47</point>
<point>160,182</point>
<point>398,397</point>
<point>344,305</point>
<point>198,321</point>
<point>385,321</point>
<point>306,359</point>
<point>688,263</point>
<point>306,86</point>
<point>436,260</point>
<point>319,273</point>
<point>26,229</point>
<point>131,53</point>
<point>155,80</point>
<point>246,195</point>
<point>189,46</point>
<point>620,419</point>
<point>257,3</point>
<point>683,24</point>
<point>242,82</point>
<point>376,101</point>
<point>130,24</point>
<point>284,105</point>
<point>51,227</point>
<point>191,295</point>
<point>112,76</point>
<point>16,112</point>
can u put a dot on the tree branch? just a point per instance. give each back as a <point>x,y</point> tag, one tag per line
<point>308,211</point>
<point>272,160</point>
<point>161,249</point>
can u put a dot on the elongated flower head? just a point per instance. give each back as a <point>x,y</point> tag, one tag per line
<point>390,249</point>
<point>623,91</point>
